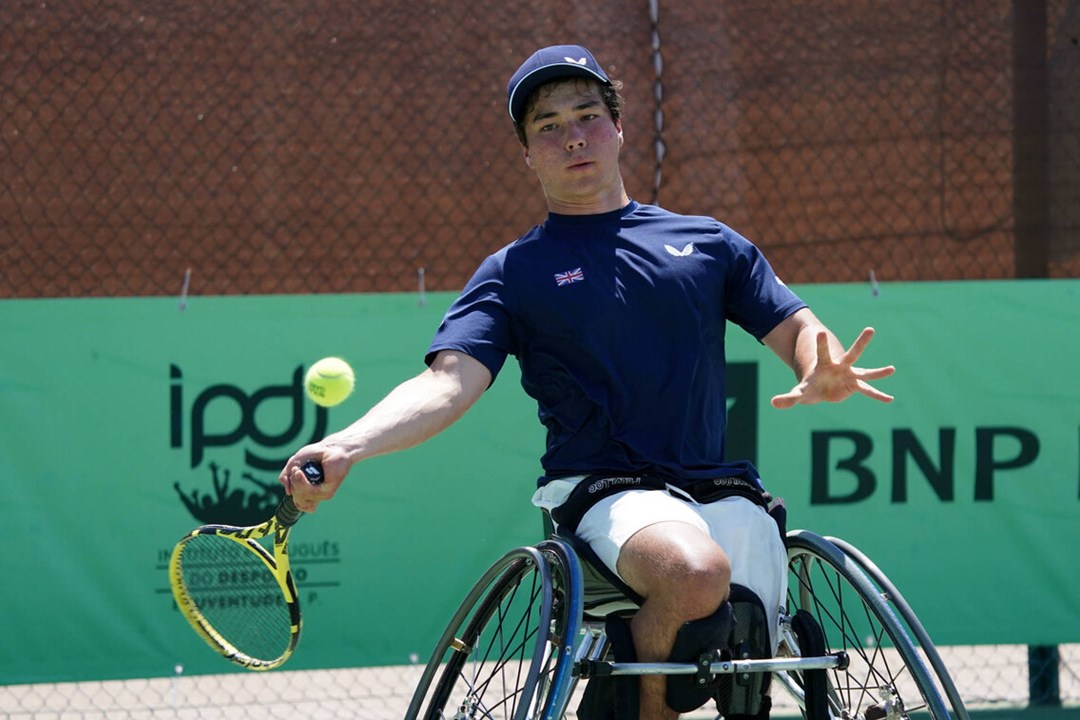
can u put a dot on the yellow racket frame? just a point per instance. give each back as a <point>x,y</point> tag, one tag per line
<point>277,564</point>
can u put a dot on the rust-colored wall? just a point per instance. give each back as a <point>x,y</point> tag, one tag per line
<point>293,147</point>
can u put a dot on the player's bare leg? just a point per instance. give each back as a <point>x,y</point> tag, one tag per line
<point>683,575</point>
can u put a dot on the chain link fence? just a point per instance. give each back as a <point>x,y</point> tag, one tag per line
<point>278,146</point>
<point>299,147</point>
<point>986,676</point>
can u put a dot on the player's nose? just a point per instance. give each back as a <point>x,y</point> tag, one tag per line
<point>575,138</point>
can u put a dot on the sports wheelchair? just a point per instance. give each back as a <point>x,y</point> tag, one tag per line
<point>533,627</point>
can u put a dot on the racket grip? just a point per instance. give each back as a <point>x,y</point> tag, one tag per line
<point>288,513</point>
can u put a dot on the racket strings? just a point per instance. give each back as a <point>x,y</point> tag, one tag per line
<point>237,595</point>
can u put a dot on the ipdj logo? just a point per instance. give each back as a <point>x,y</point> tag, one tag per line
<point>266,423</point>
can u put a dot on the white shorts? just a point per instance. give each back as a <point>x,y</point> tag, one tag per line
<point>744,530</point>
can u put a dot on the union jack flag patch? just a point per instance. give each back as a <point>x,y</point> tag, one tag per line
<point>570,276</point>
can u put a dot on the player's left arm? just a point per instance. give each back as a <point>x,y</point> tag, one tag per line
<point>824,369</point>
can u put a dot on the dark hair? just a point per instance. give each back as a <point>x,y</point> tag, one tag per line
<point>610,94</point>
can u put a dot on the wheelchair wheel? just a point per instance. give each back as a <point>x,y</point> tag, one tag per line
<point>915,627</point>
<point>507,653</point>
<point>887,678</point>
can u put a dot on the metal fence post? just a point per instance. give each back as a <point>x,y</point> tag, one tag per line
<point>1044,688</point>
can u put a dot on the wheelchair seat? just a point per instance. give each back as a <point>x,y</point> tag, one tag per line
<point>604,592</point>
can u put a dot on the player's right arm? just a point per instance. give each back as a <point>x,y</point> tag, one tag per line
<point>414,411</point>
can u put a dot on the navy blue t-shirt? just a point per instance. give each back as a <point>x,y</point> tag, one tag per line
<point>617,321</point>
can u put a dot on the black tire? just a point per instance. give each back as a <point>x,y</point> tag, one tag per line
<point>506,653</point>
<point>813,683</point>
<point>887,678</point>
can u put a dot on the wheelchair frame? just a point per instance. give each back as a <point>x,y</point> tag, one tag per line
<point>532,627</point>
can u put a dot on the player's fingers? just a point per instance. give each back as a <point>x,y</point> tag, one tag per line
<point>823,351</point>
<point>300,478</point>
<point>786,400</point>
<point>305,498</point>
<point>856,350</point>
<point>875,373</point>
<point>305,507</point>
<point>872,392</point>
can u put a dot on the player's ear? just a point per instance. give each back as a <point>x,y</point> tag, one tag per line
<point>618,129</point>
<point>525,154</point>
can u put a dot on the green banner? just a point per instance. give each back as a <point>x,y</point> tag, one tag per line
<point>966,489</point>
<point>128,422</point>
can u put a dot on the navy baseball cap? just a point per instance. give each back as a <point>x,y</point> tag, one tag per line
<point>550,63</point>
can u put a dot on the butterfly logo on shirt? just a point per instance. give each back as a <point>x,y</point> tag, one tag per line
<point>680,253</point>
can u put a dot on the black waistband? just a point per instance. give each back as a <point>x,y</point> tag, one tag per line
<point>742,482</point>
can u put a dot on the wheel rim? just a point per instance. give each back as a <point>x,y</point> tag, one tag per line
<point>500,667</point>
<point>879,684</point>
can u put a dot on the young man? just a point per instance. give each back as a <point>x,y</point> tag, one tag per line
<point>616,313</point>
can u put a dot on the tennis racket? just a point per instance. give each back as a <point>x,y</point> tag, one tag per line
<point>239,597</point>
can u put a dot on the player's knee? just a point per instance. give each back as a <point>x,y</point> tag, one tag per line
<point>698,584</point>
<point>703,593</point>
<point>675,568</point>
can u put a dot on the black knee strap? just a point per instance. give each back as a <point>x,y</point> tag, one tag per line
<point>614,698</point>
<point>746,696</point>
<point>698,642</point>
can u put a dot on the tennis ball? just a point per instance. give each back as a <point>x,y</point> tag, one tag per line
<point>329,381</point>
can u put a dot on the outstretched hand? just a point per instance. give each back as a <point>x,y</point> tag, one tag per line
<point>836,379</point>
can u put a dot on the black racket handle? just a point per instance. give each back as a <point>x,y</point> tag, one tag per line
<point>312,469</point>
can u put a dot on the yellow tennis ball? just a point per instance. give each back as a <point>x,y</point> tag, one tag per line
<point>329,381</point>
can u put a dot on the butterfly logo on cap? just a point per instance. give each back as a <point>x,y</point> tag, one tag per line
<point>582,61</point>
